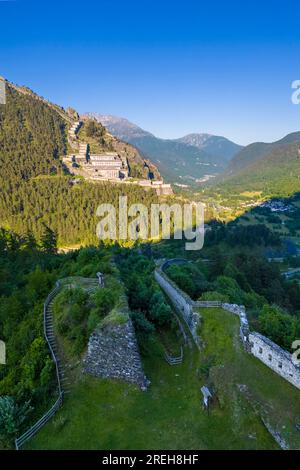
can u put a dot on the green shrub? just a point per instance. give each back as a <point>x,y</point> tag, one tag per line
<point>143,327</point>
<point>214,295</point>
<point>160,312</point>
<point>104,300</point>
<point>93,320</point>
<point>12,416</point>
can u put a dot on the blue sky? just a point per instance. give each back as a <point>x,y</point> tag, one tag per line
<point>171,67</point>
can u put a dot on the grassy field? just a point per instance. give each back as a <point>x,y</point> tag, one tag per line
<point>238,377</point>
<point>106,414</point>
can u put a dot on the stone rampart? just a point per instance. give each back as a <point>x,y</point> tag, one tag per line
<point>113,353</point>
<point>181,301</point>
<point>276,358</point>
<point>264,349</point>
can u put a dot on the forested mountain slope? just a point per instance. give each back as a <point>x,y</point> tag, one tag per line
<point>276,174</point>
<point>32,137</point>
<point>35,189</point>
<point>256,151</point>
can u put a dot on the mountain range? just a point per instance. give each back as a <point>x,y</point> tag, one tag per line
<point>256,151</point>
<point>38,130</point>
<point>184,160</point>
<point>270,169</point>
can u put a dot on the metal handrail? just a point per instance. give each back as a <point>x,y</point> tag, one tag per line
<point>45,418</point>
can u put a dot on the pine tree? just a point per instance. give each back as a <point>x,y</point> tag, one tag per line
<point>49,240</point>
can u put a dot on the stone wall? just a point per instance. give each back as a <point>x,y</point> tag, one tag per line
<point>274,357</point>
<point>261,347</point>
<point>240,311</point>
<point>113,353</point>
<point>181,301</point>
<point>184,304</point>
<point>236,309</point>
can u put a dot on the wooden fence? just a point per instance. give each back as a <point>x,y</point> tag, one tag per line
<point>172,360</point>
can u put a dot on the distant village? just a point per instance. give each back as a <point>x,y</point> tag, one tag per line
<point>108,166</point>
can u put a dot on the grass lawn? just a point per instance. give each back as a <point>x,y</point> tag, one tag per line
<point>237,375</point>
<point>106,414</point>
<point>102,414</point>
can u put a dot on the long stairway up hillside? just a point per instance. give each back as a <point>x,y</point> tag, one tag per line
<point>50,338</point>
<point>49,333</point>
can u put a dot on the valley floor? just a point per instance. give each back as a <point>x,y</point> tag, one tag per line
<point>105,414</point>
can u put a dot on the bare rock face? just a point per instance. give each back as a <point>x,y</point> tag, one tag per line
<point>113,353</point>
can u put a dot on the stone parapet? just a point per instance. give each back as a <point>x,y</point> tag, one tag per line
<point>272,355</point>
<point>113,353</point>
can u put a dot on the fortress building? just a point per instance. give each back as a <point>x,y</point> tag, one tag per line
<point>107,165</point>
<point>74,129</point>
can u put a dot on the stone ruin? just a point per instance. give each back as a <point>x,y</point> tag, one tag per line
<point>113,353</point>
<point>276,358</point>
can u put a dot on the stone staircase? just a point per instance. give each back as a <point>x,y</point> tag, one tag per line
<point>49,333</point>
<point>62,381</point>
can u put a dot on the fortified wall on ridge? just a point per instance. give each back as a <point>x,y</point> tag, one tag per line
<point>272,355</point>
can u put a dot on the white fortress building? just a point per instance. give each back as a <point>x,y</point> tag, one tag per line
<point>74,129</point>
<point>107,165</point>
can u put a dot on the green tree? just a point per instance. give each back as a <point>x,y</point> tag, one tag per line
<point>49,240</point>
<point>104,300</point>
<point>12,416</point>
<point>280,327</point>
<point>143,327</point>
<point>160,312</point>
<point>94,129</point>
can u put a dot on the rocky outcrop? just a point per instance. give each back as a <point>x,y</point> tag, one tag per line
<point>113,353</point>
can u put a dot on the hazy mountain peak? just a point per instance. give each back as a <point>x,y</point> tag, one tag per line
<point>119,126</point>
<point>190,157</point>
<point>195,138</point>
<point>212,144</point>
